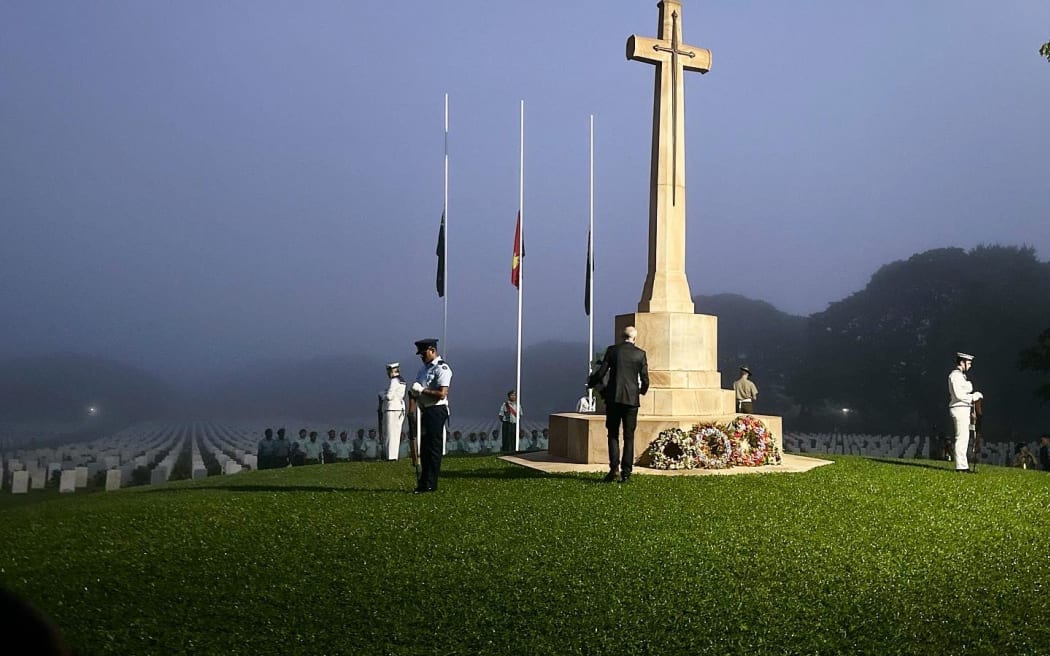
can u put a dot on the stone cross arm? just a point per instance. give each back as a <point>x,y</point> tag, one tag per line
<point>656,51</point>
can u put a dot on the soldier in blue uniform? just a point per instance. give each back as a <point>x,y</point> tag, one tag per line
<point>430,394</point>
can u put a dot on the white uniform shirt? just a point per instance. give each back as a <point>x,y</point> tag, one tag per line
<point>371,448</point>
<point>960,390</point>
<point>394,396</point>
<point>433,376</point>
<point>341,449</point>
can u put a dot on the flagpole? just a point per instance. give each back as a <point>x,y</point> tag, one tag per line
<point>444,322</point>
<point>521,267</point>
<point>590,267</point>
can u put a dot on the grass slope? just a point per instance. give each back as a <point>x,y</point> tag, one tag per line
<point>857,557</point>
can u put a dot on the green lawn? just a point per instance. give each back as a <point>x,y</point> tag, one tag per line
<point>857,557</point>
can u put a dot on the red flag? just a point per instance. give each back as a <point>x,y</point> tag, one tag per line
<point>519,252</point>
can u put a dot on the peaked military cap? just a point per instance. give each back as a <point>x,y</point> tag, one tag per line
<point>423,344</point>
<point>964,356</point>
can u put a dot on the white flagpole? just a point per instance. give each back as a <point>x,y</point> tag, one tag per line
<point>521,268</point>
<point>444,256</point>
<point>590,266</point>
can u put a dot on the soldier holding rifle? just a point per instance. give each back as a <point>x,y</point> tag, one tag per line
<point>429,397</point>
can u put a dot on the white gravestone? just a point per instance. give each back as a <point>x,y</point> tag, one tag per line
<point>232,467</point>
<point>81,476</point>
<point>113,480</point>
<point>38,479</point>
<point>68,483</point>
<point>20,482</point>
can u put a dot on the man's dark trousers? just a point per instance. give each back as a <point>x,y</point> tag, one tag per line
<point>616,414</point>
<point>433,420</point>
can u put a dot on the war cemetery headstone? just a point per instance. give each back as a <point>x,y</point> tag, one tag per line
<point>20,482</point>
<point>38,479</point>
<point>81,476</point>
<point>113,480</point>
<point>68,482</point>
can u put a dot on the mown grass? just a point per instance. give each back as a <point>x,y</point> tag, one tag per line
<point>857,557</point>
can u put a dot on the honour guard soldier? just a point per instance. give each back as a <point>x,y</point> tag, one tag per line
<point>392,410</point>
<point>746,392</point>
<point>960,403</point>
<point>430,395</point>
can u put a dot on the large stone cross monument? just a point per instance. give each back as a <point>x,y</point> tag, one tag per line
<point>682,347</point>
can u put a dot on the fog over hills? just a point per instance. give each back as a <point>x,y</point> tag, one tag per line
<point>883,352</point>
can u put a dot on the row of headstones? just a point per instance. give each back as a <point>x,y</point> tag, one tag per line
<point>220,448</point>
<point>30,475</point>
<point>993,453</point>
<point>886,446</point>
<point>123,446</point>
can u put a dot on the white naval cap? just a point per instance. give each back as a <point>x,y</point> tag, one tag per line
<point>394,365</point>
<point>964,356</point>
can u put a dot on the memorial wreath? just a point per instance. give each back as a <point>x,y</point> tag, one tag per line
<point>753,443</point>
<point>703,447</point>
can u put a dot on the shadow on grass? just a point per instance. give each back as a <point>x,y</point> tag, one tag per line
<point>909,463</point>
<point>279,488</point>
<point>517,472</point>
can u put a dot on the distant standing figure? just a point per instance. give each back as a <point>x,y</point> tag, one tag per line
<point>371,445</point>
<point>1024,458</point>
<point>1044,452</point>
<point>392,409</point>
<point>961,397</point>
<point>628,371</point>
<point>358,444</point>
<point>509,413</point>
<point>430,394</point>
<point>299,448</point>
<point>312,450</point>
<point>746,392</point>
<point>265,450</point>
<point>280,450</point>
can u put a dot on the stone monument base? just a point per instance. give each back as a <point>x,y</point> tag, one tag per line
<point>582,438</point>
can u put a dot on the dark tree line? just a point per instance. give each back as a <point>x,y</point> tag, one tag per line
<point>884,352</point>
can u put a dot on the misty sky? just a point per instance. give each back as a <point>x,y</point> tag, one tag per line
<point>189,186</point>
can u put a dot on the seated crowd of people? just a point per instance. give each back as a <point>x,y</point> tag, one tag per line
<point>277,450</point>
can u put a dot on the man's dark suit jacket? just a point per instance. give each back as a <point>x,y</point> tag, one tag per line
<point>626,366</point>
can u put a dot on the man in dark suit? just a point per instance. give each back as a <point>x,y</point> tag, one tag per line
<point>628,379</point>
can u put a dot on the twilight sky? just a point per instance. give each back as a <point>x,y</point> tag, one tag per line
<point>191,186</point>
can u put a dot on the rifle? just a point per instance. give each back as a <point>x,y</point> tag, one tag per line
<point>413,445</point>
<point>976,416</point>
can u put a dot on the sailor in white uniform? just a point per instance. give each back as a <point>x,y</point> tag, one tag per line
<point>392,408</point>
<point>961,397</point>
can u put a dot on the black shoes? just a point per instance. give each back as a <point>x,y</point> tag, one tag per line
<point>610,477</point>
<point>626,478</point>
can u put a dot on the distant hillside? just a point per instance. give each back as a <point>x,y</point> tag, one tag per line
<point>61,388</point>
<point>885,351</point>
<point>756,334</point>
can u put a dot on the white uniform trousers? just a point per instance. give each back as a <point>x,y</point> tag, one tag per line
<point>961,417</point>
<point>392,420</point>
